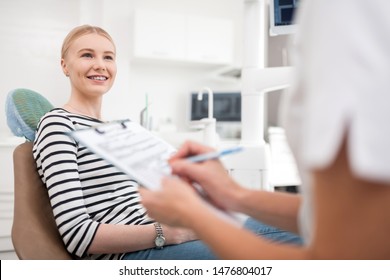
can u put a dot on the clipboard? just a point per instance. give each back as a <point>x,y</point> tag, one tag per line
<point>131,148</point>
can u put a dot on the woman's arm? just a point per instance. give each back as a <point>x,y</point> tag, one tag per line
<point>57,156</point>
<point>112,238</point>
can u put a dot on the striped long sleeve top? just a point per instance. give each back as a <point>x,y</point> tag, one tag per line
<point>84,190</point>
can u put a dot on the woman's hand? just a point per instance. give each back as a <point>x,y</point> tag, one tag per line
<point>176,235</point>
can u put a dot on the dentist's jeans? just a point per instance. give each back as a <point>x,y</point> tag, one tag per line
<point>197,250</point>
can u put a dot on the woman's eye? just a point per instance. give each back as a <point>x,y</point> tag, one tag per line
<point>109,57</point>
<point>86,55</point>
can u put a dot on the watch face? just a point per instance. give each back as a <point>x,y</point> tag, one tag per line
<point>159,241</point>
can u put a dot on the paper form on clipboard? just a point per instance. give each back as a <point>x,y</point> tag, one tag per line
<point>131,148</point>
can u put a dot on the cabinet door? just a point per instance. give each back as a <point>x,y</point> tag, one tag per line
<point>160,35</point>
<point>210,40</point>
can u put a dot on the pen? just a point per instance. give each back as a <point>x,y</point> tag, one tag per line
<point>214,155</point>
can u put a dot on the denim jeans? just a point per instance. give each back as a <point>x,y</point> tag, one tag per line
<point>197,250</point>
<point>272,233</point>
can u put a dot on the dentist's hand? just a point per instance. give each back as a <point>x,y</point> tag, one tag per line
<point>219,187</point>
<point>174,204</point>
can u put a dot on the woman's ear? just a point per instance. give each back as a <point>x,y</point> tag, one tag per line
<point>64,67</point>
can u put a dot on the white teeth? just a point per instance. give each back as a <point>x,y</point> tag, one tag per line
<point>100,78</point>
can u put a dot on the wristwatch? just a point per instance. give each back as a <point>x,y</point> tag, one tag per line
<point>159,241</point>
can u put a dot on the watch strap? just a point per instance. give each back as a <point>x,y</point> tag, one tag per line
<point>160,239</point>
<point>159,229</point>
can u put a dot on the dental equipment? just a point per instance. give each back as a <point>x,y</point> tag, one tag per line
<point>251,167</point>
<point>210,136</point>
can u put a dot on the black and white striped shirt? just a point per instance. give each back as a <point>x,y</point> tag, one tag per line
<point>84,189</point>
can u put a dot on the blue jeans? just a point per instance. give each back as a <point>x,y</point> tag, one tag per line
<point>197,250</point>
<point>272,233</point>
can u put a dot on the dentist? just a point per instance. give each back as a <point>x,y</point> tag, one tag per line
<point>96,207</point>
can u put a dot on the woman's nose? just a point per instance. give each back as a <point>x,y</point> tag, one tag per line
<point>99,64</point>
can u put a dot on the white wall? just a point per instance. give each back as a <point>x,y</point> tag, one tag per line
<point>167,84</point>
<point>32,32</point>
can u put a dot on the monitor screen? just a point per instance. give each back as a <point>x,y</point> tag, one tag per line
<point>282,16</point>
<point>227,107</point>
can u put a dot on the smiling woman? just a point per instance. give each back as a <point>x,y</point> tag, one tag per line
<point>96,207</point>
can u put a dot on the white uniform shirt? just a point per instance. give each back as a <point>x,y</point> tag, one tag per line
<point>342,87</point>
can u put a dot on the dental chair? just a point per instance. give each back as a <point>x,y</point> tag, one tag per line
<point>34,232</point>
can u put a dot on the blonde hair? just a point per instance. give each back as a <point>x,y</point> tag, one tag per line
<point>79,31</point>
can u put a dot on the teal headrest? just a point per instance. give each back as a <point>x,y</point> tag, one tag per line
<point>24,108</point>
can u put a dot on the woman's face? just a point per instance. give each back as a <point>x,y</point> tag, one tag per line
<point>90,65</point>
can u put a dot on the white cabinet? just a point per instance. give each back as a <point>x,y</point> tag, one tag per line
<point>210,40</point>
<point>159,35</point>
<point>168,36</point>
